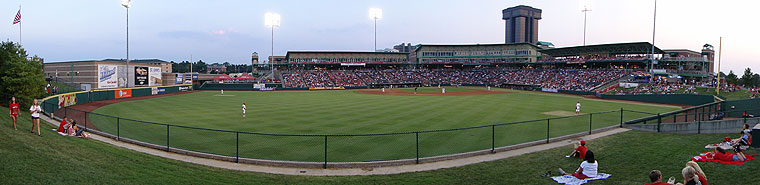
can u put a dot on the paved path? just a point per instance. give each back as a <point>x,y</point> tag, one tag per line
<point>348,171</point>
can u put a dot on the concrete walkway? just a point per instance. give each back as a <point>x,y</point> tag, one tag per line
<point>348,171</point>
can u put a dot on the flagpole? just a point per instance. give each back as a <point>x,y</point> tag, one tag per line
<point>19,25</point>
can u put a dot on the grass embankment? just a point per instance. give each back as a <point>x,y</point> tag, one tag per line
<point>52,159</point>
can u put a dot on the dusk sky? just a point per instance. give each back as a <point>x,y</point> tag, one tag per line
<point>230,30</point>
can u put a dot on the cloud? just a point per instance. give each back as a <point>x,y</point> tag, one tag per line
<point>185,34</point>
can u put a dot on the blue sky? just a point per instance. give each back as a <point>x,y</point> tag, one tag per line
<point>229,30</point>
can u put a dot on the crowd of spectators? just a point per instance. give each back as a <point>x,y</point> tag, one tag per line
<point>321,78</point>
<point>564,79</point>
<point>584,59</point>
<point>663,86</point>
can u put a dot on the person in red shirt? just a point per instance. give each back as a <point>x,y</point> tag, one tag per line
<point>580,151</point>
<point>62,126</point>
<point>13,108</point>
<point>656,177</point>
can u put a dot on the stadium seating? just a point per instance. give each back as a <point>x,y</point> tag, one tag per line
<point>564,79</point>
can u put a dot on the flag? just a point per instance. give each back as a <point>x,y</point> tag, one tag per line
<point>18,17</point>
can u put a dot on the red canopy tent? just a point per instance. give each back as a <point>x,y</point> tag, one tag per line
<point>223,77</point>
<point>245,77</point>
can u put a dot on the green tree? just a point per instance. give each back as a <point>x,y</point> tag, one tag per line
<point>756,80</point>
<point>746,79</point>
<point>19,77</point>
<point>731,78</point>
<point>200,67</point>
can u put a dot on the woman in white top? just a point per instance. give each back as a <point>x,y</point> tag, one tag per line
<point>588,168</point>
<point>35,110</point>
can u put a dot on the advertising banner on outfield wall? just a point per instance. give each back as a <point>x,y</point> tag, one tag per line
<point>107,76</point>
<point>141,76</point>
<point>154,76</point>
<point>179,79</point>
<point>157,90</point>
<point>67,100</point>
<point>122,93</point>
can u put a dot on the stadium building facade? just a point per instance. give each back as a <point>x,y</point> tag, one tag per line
<point>477,54</point>
<point>345,58</point>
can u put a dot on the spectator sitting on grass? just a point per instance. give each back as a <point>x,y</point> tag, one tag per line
<point>76,131</point>
<point>700,174</point>
<point>588,168</point>
<point>689,176</point>
<point>656,177</point>
<point>580,151</point>
<point>64,124</point>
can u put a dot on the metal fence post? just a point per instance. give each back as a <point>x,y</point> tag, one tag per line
<point>167,137</point>
<point>325,165</point>
<point>675,118</point>
<point>547,130</point>
<point>621,117</point>
<point>699,127</point>
<point>590,119</point>
<point>85,121</point>
<point>237,147</point>
<point>493,138</point>
<point>118,130</point>
<point>659,122</point>
<point>417,135</point>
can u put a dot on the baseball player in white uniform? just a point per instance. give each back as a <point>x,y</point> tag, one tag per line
<point>578,107</point>
<point>243,109</point>
<point>443,91</point>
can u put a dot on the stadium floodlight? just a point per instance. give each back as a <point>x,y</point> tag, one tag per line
<point>272,20</point>
<point>375,14</point>
<point>586,6</point>
<point>127,4</point>
<point>654,26</point>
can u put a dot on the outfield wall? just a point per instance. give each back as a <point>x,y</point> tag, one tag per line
<point>82,97</point>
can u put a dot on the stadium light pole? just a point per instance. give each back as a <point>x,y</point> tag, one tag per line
<point>375,14</point>
<point>127,4</point>
<point>654,25</point>
<point>585,8</point>
<point>272,20</point>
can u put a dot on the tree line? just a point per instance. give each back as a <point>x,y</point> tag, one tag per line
<point>748,79</point>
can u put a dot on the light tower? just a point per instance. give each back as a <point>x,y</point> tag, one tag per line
<point>272,20</point>
<point>585,8</point>
<point>127,4</point>
<point>375,14</point>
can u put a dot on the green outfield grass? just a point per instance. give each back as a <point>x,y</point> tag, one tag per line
<point>52,159</point>
<point>438,90</point>
<point>349,112</point>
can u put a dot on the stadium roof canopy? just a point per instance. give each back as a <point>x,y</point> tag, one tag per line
<point>419,46</point>
<point>605,49</point>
